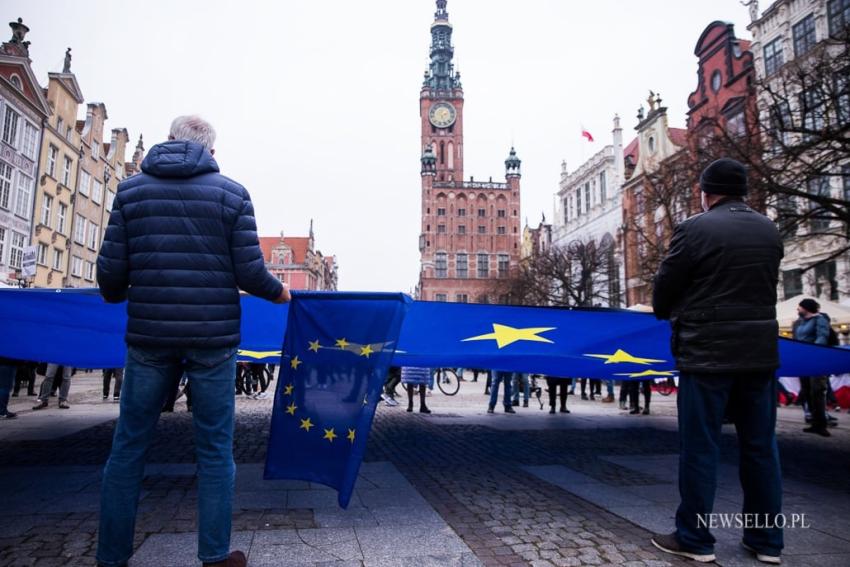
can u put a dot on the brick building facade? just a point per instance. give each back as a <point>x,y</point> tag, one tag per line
<point>295,261</point>
<point>470,235</point>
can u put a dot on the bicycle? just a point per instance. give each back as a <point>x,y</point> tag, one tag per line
<point>447,381</point>
<point>666,387</point>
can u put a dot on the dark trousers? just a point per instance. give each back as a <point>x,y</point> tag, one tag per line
<point>815,397</point>
<point>25,373</point>
<point>634,389</point>
<point>108,375</point>
<point>553,384</point>
<point>702,400</point>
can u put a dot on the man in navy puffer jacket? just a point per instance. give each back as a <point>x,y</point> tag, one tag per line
<point>181,242</point>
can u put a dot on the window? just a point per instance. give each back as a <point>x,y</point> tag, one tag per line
<point>735,125</point>
<point>773,57</point>
<point>578,202</point>
<point>441,212</point>
<point>483,265</point>
<point>504,263</point>
<point>484,298</point>
<point>716,81</point>
<point>461,298</point>
<point>24,196</point>
<point>461,212</point>
<point>587,197</point>
<point>66,172</point>
<point>76,266</point>
<point>501,230</point>
<point>461,229</point>
<point>5,185</point>
<point>95,150</point>
<point>502,213</point>
<point>89,273</point>
<point>30,145</point>
<point>60,125</point>
<point>839,17</point>
<point>842,96</point>
<point>85,183</point>
<point>10,127</point>
<point>845,173</point>
<point>94,232</point>
<point>792,283</point>
<point>110,200</point>
<point>818,186</point>
<point>782,123</point>
<point>61,217</point>
<point>80,229</point>
<point>41,254</point>
<point>2,243</point>
<point>52,156</point>
<point>462,266</point>
<point>58,258</point>
<point>482,229</point>
<point>441,297</point>
<point>482,213</point>
<point>16,249</point>
<point>603,187</point>
<point>825,282</point>
<point>441,229</point>
<point>441,265</point>
<point>811,107</point>
<point>566,207</point>
<point>804,35</point>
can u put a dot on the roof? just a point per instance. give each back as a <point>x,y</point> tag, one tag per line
<point>299,245</point>
<point>678,136</point>
<point>632,150</point>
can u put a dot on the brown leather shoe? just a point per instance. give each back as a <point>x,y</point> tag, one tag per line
<point>235,559</point>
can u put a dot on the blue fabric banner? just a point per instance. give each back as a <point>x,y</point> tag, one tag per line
<point>337,351</point>
<point>76,328</point>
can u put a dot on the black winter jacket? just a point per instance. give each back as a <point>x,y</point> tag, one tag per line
<point>717,286</point>
<point>180,243</point>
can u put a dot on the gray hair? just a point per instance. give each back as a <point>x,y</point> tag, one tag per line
<point>193,129</point>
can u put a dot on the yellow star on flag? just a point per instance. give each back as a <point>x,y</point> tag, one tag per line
<point>366,351</point>
<point>287,391</point>
<point>505,335</point>
<point>351,435</point>
<point>646,373</point>
<point>342,343</point>
<point>295,362</point>
<point>306,424</point>
<point>330,435</point>
<point>290,409</point>
<point>315,346</point>
<point>622,356</point>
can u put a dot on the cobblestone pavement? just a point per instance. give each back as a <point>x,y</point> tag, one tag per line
<point>470,467</point>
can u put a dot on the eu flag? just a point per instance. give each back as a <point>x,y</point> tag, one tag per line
<point>336,353</point>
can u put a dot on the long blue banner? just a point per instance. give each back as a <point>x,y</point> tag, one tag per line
<point>76,328</point>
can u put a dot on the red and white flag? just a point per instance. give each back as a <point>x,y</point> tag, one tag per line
<point>586,134</point>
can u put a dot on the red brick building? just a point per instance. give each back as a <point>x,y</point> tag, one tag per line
<point>470,235</point>
<point>295,261</point>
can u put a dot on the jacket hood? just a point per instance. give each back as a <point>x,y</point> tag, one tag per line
<point>178,159</point>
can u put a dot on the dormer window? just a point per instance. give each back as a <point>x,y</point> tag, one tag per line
<point>652,144</point>
<point>16,82</point>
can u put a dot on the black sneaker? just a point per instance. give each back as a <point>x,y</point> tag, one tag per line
<point>551,410</point>
<point>515,403</point>
<point>490,409</point>
<point>525,403</point>
<point>116,398</point>
<point>822,431</point>
<point>64,405</point>
<point>669,544</point>
<point>509,409</point>
<point>41,405</point>
<point>105,397</point>
<point>8,415</point>
<point>634,411</point>
<point>763,557</point>
<point>646,410</point>
<point>584,396</point>
<point>565,410</point>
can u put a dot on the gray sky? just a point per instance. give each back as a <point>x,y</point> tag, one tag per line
<point>316,102</point>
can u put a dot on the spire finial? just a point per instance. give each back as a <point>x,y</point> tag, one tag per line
<point>441,13</point>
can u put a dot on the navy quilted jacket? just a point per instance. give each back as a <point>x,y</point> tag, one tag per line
<point>181,242</point>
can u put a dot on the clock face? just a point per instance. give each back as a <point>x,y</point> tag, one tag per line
<point>442,115</point>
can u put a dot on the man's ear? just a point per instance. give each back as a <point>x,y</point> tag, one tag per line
<point>212,152</point>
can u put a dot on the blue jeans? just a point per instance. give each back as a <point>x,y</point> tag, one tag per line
<point>609,387</point>
<point>498,378</point>
<point>701,402</point>
<point>7,380</point>
<point>149,376</point>
<point>521,382</point>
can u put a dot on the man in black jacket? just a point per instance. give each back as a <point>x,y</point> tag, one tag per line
<point>717,286</point>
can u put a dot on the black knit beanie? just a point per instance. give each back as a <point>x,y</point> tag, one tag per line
<point>724,177</point>
<point>810,305</point>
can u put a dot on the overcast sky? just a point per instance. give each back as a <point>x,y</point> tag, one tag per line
<point>316,102</point>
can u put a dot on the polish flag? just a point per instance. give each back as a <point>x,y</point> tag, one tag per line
<point>586,134</point>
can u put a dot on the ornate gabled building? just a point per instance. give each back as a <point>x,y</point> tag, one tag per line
<point>295,261</point>
<point>657,195</point>
<point>470,235</point>
<point>57,183</point>
<point>23,110</point>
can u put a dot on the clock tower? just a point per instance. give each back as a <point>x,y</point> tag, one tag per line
<point>470,229</point>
